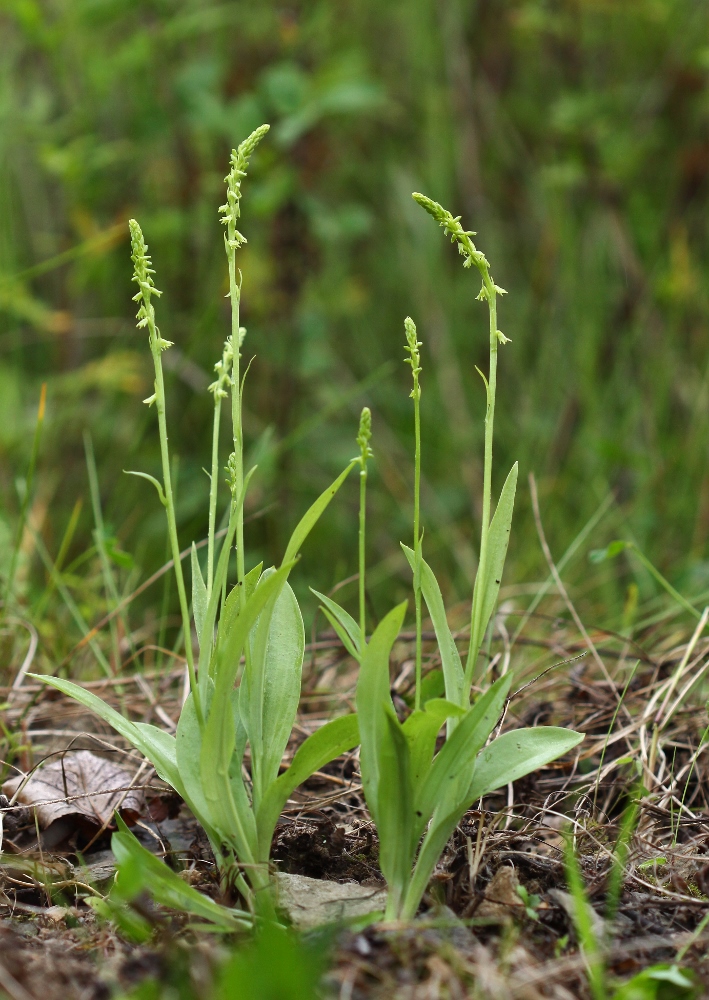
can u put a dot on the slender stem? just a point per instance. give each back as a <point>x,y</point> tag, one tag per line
<point>364,436</point>
<point>170,510</point>
<point>213,488</point>
<point>235,296</point>
<point>362,525</point>
<point>491,388</point>
<point>417,541</point>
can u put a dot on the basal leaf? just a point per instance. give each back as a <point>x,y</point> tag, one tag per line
<point>199,596</point>
<point>230,646</point>
<point>153,743</point>
<point>210,617</point>
<point>324,745</point>
<point>395,825</point>
<point>437,836</point>
<point>276,678</point>
<point>342,635</point>
<point>421,729</point>
<point>517,753</point>
<point>450,657</point>
<point>345,621</point>
<point>312,515</point>
<point>372,694</point>
<point>188,748</point>
<point>166,887</point>
<point>227,806</point>
<point>159,747</point>
<point>232,605</point>
<point>433,685</point>
<point>449,775</point>
<point>487,587</point>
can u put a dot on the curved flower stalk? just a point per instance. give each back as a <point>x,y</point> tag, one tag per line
<point>233,240</point>
<point>495,531</point>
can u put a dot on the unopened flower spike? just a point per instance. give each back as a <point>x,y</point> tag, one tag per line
<point>364,436</point>
<point>412,346</point>
<point>231,472</point>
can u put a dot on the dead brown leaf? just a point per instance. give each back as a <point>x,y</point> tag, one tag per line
<point>80,790</point>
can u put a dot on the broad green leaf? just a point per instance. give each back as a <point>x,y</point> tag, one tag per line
<point>421,729</point>
<point>324,745</point>
<point>206,651</point>
<point>231,645</point>
<point>199,597</point>
<point>160,749</point>
<point>188,747</point>
<point>517,753</point>
<point>166,887</point>
<point>123,726</point>
<point>342,634</point>
<point>395,825</point>
<point>498,768</point>
<point>372,694</point>
<point>152,742</point>
<point>223,789</point>
<point>450,657</point>
<point>487,588</point>
<point>223,785</point>
<point>312,515</point>
<point>453,768</point>
<point>276,678</point>
<point>344,620</point>
<point>433,685</point>
<point>232,605</point>
<point>241,736</point>
<point>220,575</point>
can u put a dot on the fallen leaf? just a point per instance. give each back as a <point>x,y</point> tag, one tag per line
<point>77,791</point>
<point>501,897</point>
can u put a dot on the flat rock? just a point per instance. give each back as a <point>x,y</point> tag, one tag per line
<point>311,902</point>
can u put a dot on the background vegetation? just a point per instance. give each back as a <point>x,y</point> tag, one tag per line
<point>572,135</point>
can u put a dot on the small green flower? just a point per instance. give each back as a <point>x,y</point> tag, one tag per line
<point>142,276</point>
<point>218,388</point>
<point>452,227</point>
<point>239,161</point>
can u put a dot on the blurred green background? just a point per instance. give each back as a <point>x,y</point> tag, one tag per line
<point>572,135</point>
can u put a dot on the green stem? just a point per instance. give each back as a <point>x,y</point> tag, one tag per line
<point>170,510</point>
<point>235,296</point>
<point>417,540</point>
<point>213,487</point>
<point>362,525</point>
<point>491,387</point>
